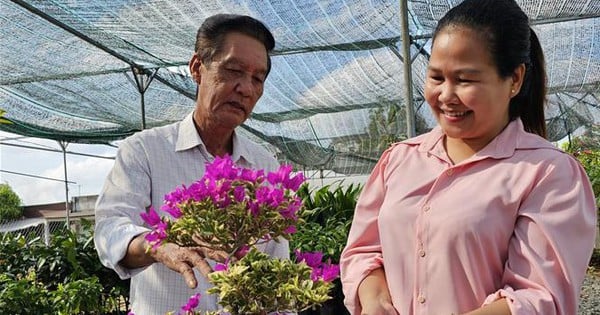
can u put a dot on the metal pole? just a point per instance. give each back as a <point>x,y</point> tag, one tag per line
<point>142,81</point>
<point>410,111</point>
<point>63,145</point>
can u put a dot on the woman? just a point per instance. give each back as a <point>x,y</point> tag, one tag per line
<point>481,215</point>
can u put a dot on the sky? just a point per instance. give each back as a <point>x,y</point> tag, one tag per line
<point>87,173</point>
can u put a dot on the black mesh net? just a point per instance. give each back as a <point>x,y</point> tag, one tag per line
<point>334,99</point>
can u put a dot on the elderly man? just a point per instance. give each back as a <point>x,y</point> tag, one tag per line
<point>230,66</point>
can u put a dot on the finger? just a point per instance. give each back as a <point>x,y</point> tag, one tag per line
<point>201,264</point>
<point>217,255</point>
<point>188,274</point>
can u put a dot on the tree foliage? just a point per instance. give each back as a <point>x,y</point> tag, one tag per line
<point>10,204</point>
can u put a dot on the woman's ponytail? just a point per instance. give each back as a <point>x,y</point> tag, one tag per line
<point>531,101</point>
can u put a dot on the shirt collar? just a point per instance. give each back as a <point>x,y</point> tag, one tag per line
<point>512,138</point>
<point>189,138</point>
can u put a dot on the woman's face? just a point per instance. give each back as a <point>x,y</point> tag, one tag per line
<point>466,94</point>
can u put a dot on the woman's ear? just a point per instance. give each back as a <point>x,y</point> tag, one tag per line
<point>194,65</point>
<point>517,79</point>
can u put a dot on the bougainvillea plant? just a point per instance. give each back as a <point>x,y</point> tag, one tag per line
<point>233,209</point>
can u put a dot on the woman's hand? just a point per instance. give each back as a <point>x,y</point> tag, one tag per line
<point>374,295</point>
<point>378,307</point>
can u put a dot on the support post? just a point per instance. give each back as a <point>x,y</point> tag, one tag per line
<point>410,111</point>
<point>63,145</point>
<point>142,81</point>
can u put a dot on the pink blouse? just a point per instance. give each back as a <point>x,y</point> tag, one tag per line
<point>517,220</point>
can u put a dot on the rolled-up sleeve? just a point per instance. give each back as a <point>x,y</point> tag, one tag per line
<point>362,253</point>
<point>552,243</point>
<point>125,194</point>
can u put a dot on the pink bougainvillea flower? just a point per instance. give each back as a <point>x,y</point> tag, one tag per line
<point>275,197</point>
<point>330,272</point>
<point>239,193</point>
<point>251,175</point>
<point>192,303</point>
<point>294,182</point>
<point>221,168</point>
<point>291,229</point>
<point>281,175</point>
<point>290,211</point>
<point>242,251</point>
<point>150,217</point>
<point>312,259</point>
<point>174,211</point>
<point>220,267</point>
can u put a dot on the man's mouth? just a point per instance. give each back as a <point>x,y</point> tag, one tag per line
<point>238,106</point>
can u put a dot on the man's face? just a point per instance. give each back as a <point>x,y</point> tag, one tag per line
<point>232,83</point>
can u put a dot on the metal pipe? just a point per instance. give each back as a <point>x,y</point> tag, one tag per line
<point>410,111</point>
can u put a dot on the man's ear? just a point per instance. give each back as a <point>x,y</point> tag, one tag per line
<point>195,65</point>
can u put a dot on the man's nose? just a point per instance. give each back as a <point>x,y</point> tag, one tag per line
<point>244,86</point>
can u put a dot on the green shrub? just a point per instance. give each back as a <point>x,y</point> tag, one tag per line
<point>325,219</point>
<point>10,204</point>
<point>65,277</point>
<point>324,223</point>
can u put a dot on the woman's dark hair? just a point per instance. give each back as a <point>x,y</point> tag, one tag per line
<point>211,34</point>
<point>511,42</point>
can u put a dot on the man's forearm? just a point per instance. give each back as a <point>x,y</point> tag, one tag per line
<point>137,255</point>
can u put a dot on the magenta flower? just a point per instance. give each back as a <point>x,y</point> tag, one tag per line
<point>294,182</point>
<point>242,251</point>
<point>221,267</point>
<point>281,175</point>
<point>239,193</point>
<point>251,175</point>
<point>312,259</point>
<point>150,217</point>
<point>330,272</point>
<point>291,229</point>
<point>174,211</point>
<point>221,168</point>
<point>192,303</point>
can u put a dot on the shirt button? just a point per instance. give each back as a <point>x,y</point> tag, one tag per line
<point>422,253</point>
<point>421,299</point>
<point>426,208</point>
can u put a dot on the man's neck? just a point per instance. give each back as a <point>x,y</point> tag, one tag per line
<point>218,141</point>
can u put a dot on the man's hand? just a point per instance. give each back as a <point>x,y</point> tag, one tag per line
<point>184,259</point>
<point>175,257</point>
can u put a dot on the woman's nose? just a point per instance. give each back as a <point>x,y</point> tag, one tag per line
<point>446,93</point>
